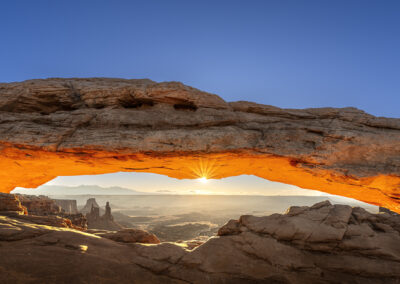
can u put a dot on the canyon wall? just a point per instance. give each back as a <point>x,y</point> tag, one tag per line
<point>39,205</point>
<point>69,206</point>
<point>55,127</point>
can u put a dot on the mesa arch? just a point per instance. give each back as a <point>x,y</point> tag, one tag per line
<point>56,127</point>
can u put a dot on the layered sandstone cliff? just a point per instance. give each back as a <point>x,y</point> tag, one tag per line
<point>69,206</point>
<point>92,126</point>
<point>39,205</point>
<point>10,204</point>
<point>39,210</point>
<point>320,244</point>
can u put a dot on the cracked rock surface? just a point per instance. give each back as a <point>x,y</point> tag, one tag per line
<point>323,243</point>
<point>73,126</point>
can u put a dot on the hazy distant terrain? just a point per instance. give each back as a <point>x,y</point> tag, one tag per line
<point>180,204</point>
<point>186,217</point>
<point>181,217</point>
<point>77,190</point>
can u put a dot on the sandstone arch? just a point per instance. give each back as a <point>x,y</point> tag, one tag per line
<point>58,127</point>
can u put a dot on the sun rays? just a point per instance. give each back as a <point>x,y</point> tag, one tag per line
<point>204,170</point>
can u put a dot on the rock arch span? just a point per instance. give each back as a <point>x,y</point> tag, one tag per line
<point>56,127</point>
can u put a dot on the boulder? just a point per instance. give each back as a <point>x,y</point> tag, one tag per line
<point>132,236</point>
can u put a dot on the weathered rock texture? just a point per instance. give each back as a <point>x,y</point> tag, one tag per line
<point>39,210</point>
<point>69,206</point>
<point>10,204</point>
<point>39,205</point>
<point>318,244</point>
<point>131,236</point>
<point>59,127</point>
<point>78,220</point>
<point>50,220</point>
<point>104,222</point>
<point>90,203</point>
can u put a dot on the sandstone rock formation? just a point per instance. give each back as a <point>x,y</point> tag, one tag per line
<point>131,236</point>
<point>39,205</point>
<point>320,244</point>
<point>59,127</point>
<point>90,203</point>
<point>78,220</point>
<point>39,210</point>
<point>51,220</point>
<point>69,206</point>
<point>105,222</point>
<point>10,204</point>
<point>32,253</point>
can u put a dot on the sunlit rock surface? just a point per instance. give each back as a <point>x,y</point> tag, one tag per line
<point>59,127</point>
<point>131,236</point>
<point>39,210</point>
<point>10,204</point>
<point>39,205</point>
<point>320,244</point>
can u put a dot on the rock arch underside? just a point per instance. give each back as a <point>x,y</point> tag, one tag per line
<point>57,127</point>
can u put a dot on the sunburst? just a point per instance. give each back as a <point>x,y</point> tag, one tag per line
<point>204,170</point>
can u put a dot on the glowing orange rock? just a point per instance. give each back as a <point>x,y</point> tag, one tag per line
<point>59,127</point>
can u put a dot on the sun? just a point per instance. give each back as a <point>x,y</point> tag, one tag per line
<point>203,180</point>
<point>203,170</point>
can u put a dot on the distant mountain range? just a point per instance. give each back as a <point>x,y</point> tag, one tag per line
<point>78,190</point>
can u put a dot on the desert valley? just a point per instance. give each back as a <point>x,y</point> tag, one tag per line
<point>306,244</point>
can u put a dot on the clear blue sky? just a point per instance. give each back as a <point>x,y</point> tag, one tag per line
<point>285,53</point>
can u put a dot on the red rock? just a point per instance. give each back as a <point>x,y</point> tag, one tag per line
<point>58,127</point>
<point>132,236</point>
<point>39,205</point>
<point>10,204</point>
<point>321,244</point>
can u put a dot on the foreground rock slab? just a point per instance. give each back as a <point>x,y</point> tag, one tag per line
<point>32,253</point>
<point>320,244</point>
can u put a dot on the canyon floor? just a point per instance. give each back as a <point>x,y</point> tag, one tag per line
<point>323,243</point>
<point>180,218</point>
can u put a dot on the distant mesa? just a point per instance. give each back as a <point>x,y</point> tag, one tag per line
<point>52,190</point>
<point>68,205</point>
<point>90,203</point>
